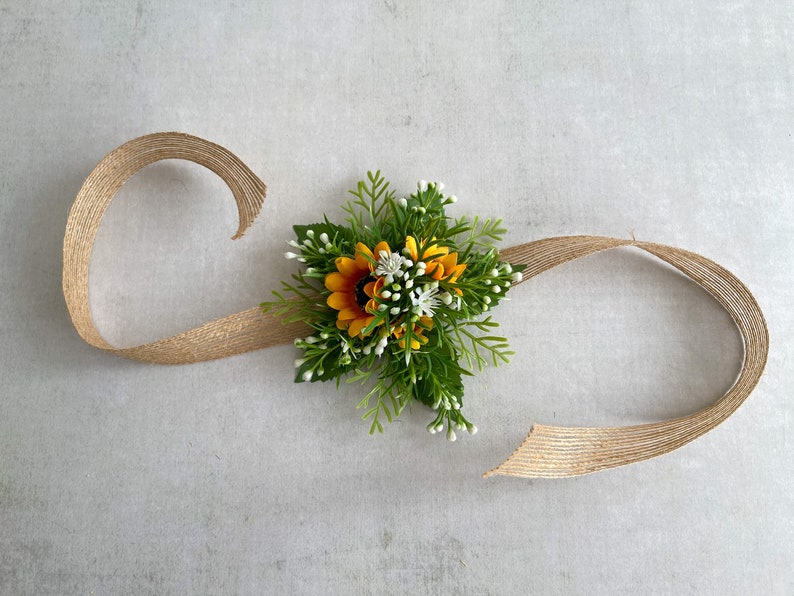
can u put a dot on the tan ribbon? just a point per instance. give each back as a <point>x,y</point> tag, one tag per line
<point>548,451</point>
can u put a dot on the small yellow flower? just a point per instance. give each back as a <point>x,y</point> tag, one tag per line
<point>441,264</point>
<point>418,339</point>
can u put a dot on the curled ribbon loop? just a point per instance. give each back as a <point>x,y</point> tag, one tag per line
<point>235,334</point>
<point>547,451</point>
<point>556,452</point>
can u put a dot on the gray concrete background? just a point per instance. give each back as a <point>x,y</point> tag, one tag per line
<point>670,121</point>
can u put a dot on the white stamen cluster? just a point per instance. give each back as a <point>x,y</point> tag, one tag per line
<point>312,246</point>
<point>424,186</point>
<point>399,275</point>
<point>499,280</point>
<point>312,346</point>
<point>447,402</point>
<point>449,413</point>
<point>376,346</point>
<point>391,266</point>
<point>425,300</point>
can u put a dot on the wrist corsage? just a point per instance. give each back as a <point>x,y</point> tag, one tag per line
<point>398,298</point>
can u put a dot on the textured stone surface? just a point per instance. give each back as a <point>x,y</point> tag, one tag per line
<point>671,122</point>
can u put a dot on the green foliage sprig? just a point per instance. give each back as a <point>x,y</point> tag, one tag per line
<point>397,299</point>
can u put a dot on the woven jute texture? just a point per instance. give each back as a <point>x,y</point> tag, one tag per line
<point>548,451</point>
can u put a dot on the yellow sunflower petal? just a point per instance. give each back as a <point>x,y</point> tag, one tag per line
<point>379,248</point>
<point>336,282</point>
<point>366,324</point>
<point>363,256</point>
<point>346,266</point>
<point>340,300</point>
<point>349,314</point>
<point>357,325</point>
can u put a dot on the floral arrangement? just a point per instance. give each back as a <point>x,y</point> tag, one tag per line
<point>397,299</point>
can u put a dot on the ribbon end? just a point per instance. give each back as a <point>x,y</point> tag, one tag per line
<point>249,196</point>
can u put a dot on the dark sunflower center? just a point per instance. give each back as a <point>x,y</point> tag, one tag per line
<point>361,295</point>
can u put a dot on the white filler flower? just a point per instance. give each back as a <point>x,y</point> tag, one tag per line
<point>390,266</point>
<point>425,300</point>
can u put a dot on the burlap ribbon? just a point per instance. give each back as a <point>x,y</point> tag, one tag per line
<point>548,451</point>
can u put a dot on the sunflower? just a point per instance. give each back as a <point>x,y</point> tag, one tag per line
<point>443,265</point>
<point>418,340</point>
<point>354,288</point>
